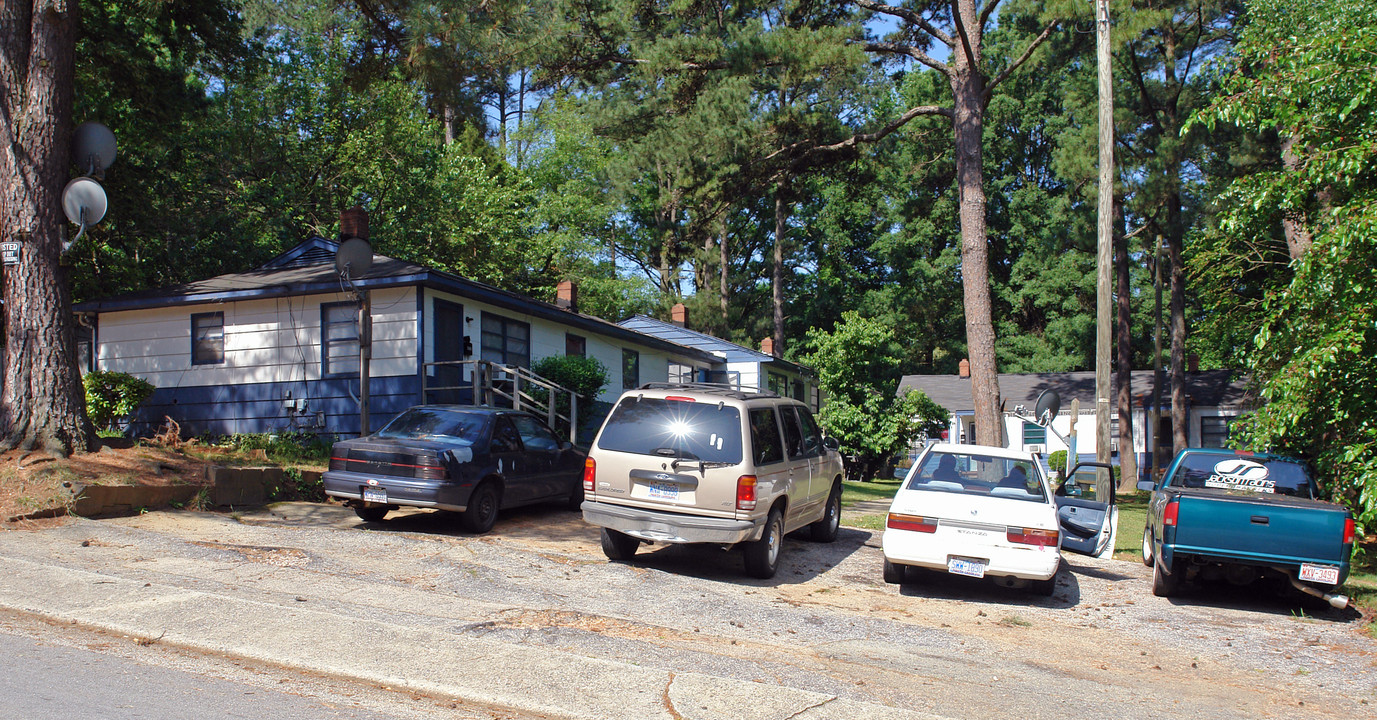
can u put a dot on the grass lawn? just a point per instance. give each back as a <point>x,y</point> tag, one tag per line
<point>881,489</point>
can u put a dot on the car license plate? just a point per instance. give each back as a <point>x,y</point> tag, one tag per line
<point>663,491</point>
<point>967,567</point>
<point>375,495</point>
<point>1326,574</point>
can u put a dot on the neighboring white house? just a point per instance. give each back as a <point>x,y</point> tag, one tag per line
<point>737,365</point>
<point>277,348</point>
<point>1213,399</point>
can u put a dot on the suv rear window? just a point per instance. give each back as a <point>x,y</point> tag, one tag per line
<point>674,429</point>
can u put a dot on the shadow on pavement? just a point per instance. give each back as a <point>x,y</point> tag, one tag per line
<point>945,586</point>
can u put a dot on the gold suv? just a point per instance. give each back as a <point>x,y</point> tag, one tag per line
<point>700,463</point>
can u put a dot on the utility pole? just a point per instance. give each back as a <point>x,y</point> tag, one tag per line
<point>1105,244</point>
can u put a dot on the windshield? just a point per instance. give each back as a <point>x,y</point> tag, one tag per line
<point>455,426</point>
<point>674,429</point>
<point>1243,472</point>
<point>970,474</point>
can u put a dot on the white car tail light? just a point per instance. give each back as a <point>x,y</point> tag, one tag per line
<point>1033,536</point>
<point>916,523</point>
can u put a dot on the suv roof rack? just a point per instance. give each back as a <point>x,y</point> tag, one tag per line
<point>714,388</point>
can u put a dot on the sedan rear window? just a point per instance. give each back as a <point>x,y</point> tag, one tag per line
<point>978,475</point>
<point>435,424</point>
<point>674,429</point>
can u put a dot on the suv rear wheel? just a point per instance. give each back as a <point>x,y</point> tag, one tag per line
<point>618,546</point>
<point>762,556</point>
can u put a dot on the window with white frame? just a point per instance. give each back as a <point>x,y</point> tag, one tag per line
<point>207,338</point>
<point>339,339</point>
<point>506,341</point>
<point>1214,431</point>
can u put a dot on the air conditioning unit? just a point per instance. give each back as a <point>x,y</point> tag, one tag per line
<point>1035,448</point>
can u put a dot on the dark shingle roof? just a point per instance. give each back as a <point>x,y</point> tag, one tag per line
<point>1208,388</point>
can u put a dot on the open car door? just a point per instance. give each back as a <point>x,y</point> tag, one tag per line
<point>1088,523</point>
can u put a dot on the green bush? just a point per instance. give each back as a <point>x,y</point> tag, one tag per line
<point>284,447</point>
<point>584,375</point>
<point>113,396</point>
<point>1057,462</point>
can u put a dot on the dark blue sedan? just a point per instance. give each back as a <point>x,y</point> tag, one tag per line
<point>470,460</point>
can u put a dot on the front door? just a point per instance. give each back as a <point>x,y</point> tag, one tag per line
<point>1088,523</point>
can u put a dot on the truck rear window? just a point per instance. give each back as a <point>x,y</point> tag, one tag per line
<point>674,429</point>
<point>1243,472</point>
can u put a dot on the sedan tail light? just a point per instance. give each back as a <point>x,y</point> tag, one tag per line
<point>1350,532</point>
<point>590,473</point>
<point>1033,536</point>
<point>1169,513</point>
<point>745,492</point>
<point>339,463</point>
<point>916,523</point>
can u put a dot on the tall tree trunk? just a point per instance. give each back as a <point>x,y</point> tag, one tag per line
<point>968,121</point>
<point>42,404</point>
<point>777,265</point>
<point>723,295</point>
<point>1298,237</point>
<point>1128,460</point>
<point>1179,415</point>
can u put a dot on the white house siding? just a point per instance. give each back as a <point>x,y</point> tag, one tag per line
<point>272,354</point>
<point>548,339</point>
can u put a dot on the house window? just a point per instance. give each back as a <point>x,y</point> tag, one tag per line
<point>779,384</point>
<point>575,345</point>
<point>1034,434</point>
<point>631,369</point>
<point>506,341</point>
<point>679,373</point>
<point>207,338</point>
<point>1214,431</point>
<point>339,333</point>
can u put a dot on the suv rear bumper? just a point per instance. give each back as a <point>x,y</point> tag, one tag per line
<point>670,527</point>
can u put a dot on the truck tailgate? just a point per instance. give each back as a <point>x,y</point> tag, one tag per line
<point>1256,525</point>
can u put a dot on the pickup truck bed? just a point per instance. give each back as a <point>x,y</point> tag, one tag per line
<point>1204,520</point>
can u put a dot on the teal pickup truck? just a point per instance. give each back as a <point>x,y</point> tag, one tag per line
<point>1240,516</point>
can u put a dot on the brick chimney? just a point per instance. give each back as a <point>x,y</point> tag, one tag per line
<point>567,295</point>
<point>964,369</point>
<point>679,315</point>
<point>353,223</point>
<point>767,346</point>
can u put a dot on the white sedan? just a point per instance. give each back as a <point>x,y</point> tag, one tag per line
<point>976,511</point>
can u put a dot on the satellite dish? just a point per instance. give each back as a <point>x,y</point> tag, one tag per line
<point>354,257</point>
<point>93,147</point>
<point>84,202</point>
<point>1049,402</point>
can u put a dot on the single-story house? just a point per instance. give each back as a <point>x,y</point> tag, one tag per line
<point>277,348</point>
<point>740,367</point>
<point>1213,399</point>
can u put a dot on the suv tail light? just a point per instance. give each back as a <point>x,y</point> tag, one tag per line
<point>590,473</point>
<point>1033,536</point>
<point>1350,532</point>
<point>1169,513</point>
<point>911,522</point>
<point>745,492</point>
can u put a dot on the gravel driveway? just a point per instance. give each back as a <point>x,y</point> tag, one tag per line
<point>1101,646</point>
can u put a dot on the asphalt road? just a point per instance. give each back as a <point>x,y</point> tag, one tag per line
<point>533,617</point>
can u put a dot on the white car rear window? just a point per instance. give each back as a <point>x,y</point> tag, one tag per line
<point>972,474</point>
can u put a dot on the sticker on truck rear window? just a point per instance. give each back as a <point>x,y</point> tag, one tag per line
<point>1240,474</point>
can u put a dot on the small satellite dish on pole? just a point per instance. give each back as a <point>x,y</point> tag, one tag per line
<point>1048,403</point>
<point>84,203</point>
<point>93,147</point>
<point>354,257</point>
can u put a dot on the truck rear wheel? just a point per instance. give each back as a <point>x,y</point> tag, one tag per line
<point>1167,584</point>
<point>1147,546</point>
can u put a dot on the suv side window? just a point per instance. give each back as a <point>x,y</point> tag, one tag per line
<point>812,437</point>
<point>765,445</point>
<point>793,433</point>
